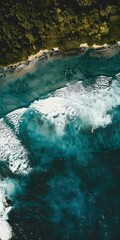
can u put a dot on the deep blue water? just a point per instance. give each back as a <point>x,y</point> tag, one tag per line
<point>60,150</point>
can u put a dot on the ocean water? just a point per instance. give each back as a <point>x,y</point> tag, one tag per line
<point>60,150</point>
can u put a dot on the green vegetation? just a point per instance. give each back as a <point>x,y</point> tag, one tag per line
<point>27,26</point>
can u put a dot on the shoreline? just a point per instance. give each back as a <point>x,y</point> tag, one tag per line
<point>29,62</point>
<point>106,51</point>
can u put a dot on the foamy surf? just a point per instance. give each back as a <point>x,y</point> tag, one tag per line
<point>93,105</point>
<point>59,150</point>
<point>6,189</point>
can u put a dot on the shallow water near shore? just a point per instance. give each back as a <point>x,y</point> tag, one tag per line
<point>60,150</point>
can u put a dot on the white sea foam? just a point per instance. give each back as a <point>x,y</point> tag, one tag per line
<point>5,229</point>
<point>13,153</point>
<point>7,190</point>
<point>87,107</point>
<point>14,118</point>
<point>92,105</point>
<point>11,149</point>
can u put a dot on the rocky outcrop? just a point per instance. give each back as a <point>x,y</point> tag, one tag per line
<point>31,25</point>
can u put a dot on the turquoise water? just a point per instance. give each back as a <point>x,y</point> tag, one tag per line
<point>60,150</point>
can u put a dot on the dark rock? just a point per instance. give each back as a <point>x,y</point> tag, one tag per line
<point>9,201</point>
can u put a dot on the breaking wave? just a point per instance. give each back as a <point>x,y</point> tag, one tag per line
<point>59,155</point>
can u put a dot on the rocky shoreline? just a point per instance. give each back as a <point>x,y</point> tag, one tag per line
<point>104,51</point>
<point>19,66</point>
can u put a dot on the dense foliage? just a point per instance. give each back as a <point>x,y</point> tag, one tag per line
<point>27,26</point>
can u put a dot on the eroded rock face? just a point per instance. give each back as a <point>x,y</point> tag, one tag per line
<point>28,26</point>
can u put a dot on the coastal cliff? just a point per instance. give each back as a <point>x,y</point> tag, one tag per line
<point>31,25</point>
